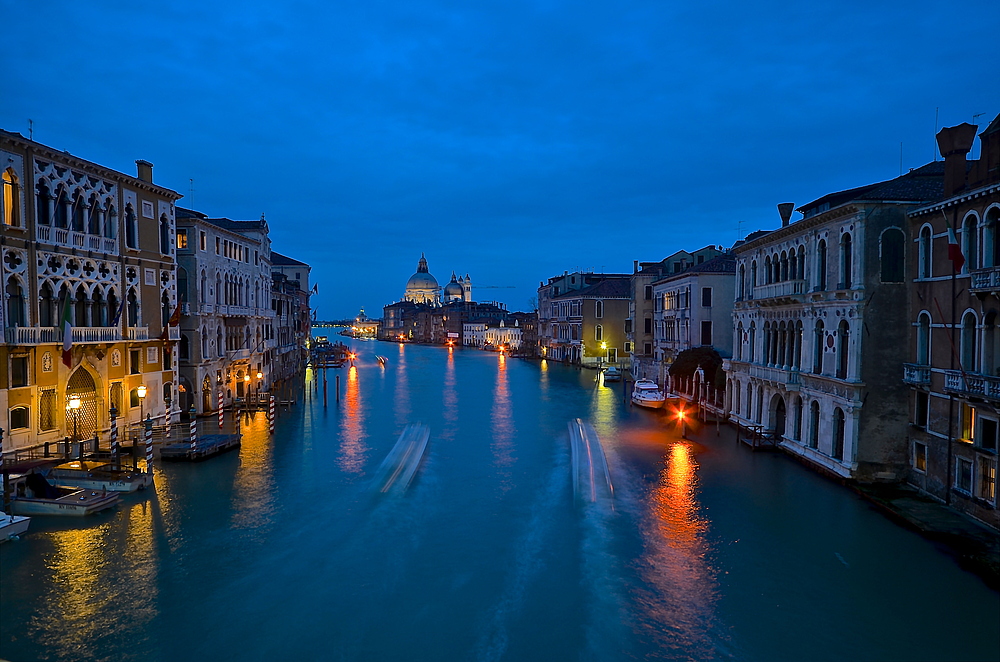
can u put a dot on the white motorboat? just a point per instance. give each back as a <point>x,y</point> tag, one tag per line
<point>12,525</point>
<point>99,475</point>
<point>33,495</point>
<point>647,393</point>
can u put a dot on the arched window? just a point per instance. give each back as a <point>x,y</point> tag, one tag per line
<point>20,418</point>
<point>767,270</point>
<point>99,311</point>
<point>165,311</point>
<point>891,252</point>
<point>924,253</point>
<point>738,342</point>
<point>598,309</point>
<point>991,238</point>
<point>82,307</point>
<point>752,344</point>
<point>743,282</point>
<point>968,347</point>
<point>753,277</point>
<point>10,197</point>
<point>164,235</point>
<point>924,339</point>
<point>43,202</point>
<point>802,263</point>
<point>46,306</point>
<point>182,284</point>
<point>797,418</point>
<point>819,336</point>
<point>970,243</point>
<point>793,265</point>
<point>114,314</point>
<point>218,342</point>
<point>219,296</point>
<point>131,230</point>
<point>16,314</point>
<point>991,345</point>
<point>814,424</point>
<point>838,434</point>
<point>598,333</point>
<point>749,413</point>
<point>94,216</point>
<point>821,265</point>
<point>78,211</point>
<point>736,398</point>
<point>133,398</point>
<point>846,262</point>
<point>60,204</point>
<point>133,308</point>
<point>783,276</point>
<point>110,220</point>
<point>843,349</point>
<point>797,348</point>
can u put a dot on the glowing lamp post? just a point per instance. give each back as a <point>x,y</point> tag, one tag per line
<point>141,392</point>
<point>682,417</point>
<point>74,407</point>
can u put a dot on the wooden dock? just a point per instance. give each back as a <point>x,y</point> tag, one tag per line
<point>208,445</point>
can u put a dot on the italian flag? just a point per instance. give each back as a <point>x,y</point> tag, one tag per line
<point>67,325</point>
<point>954,248</point>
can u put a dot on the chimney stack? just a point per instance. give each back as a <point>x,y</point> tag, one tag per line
<point>785,211</point>
<point>954,142</point>
<point>144,171</point>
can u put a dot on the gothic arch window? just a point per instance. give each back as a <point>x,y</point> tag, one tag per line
<point>991,237</point>
<point>131,229</point>
<point>598,333</point>
<point>113,309</point>
<point>784,266</point>
<point>736,398</point>
<point>802,263</point>
<point>970,362</point>
<point>767,270</point>
<point>891,254</point>
<point>182,284</point>
<point>99,310</point>
<point>819,335</point>
<point>16,313</point>
<point>81,307</point>
<point>743,282</point>
<point>846,262</point>
<point>43,200</point>
<point>843,349</point>
<point>599,309</point>
<point>204,288</point>
<point>10,196</point>
<point>753,277</point>
<point>839,432</point>
<point>218,342</point>
<point>814,424</point>
<point>821,265</point>
<point>218,289</point>
<point>924,253</point>
<point>61,213</point>
<point>78,210</point>
<point>46,305</point>
<point>110,220</point>
<point>165,311</point>
<point>94,216</point>
<point>738,342</point>
<point>991,344</point>
<point>970,242</point>
<point>133,307</point>
<point>924,339</point>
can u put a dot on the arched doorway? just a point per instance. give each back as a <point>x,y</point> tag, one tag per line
<point>85,419</point>
<point>779,417</point>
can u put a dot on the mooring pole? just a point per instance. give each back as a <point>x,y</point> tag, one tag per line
<point>149,444</point>
<point>324,387</point>
<point>194,429</point>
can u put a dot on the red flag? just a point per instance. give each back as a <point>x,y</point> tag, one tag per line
<point>954,248</point>
<point>67,325</point>
<point>174,320</point>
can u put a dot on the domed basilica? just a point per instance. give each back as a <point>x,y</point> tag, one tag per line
<point>423,287</point>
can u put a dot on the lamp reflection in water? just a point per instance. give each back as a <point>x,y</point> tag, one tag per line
<point>501,418</point>
<point>450,397</point>
<point>254,484</point>
<point>352,453</point>
<point>682,606</point>
<point>401,395</point>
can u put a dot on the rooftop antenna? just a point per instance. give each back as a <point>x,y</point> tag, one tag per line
<point>739,230</point>
<point>31,128</point>
<point>191,193</point>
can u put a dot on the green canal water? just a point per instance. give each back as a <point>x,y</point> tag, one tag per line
<point>289,549</point>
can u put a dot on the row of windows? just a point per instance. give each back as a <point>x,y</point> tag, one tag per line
<point>751,408</point>
<point>976,478</point>
<point>979,345</point>
<point>19,416</point>
<point>980,243</point>
<point>782,345</point>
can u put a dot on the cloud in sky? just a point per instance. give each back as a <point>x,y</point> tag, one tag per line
<point>508,140</point>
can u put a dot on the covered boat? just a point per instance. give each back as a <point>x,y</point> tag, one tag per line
<point>33,495</point>
<point>647,393</point>
<point>99,475</point>
<point>612,374</point>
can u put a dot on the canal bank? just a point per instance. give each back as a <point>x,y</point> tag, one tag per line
<point>973,545</point>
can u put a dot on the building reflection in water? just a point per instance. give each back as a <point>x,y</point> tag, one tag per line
<point>353,450</point>
<point>604,411</point>
<point>681,611</point>
<point>502,426</point>
<point>543,380</point>
<point>253,485</point>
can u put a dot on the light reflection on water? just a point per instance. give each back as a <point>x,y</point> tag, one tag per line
<point>680,611</point>
<point>502,426</point>
<point>450,398</point>
<point>401,393</point>
<point>353,451</point>
<point>253,485</point>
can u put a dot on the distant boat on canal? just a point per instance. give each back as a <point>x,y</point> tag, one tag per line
<point>647,393</point>
<point>612,374</point>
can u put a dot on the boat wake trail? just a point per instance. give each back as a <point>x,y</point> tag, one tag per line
<point>396,471</point>
<point>591,479</point>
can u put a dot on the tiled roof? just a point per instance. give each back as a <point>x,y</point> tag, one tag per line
<point>224,223</point>
<point>610,288</point>
<point>720,264</point>
<point>279,260</point>
<point>922,184</point>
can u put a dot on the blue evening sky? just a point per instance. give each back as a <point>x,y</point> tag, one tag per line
<point>510,140</point>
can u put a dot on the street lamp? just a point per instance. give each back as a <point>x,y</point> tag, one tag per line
<point>141,392</point>
<point>74,406</point>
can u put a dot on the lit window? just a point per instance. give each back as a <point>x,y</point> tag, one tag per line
<point>920,456</point>
<point>182,239</point>
<point>19,418</point>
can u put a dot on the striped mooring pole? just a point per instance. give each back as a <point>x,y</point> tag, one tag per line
<point>114,436</point>
<point>270,415</point>
<point>221,413</point>
<point>149,444</point>
<point>167,429</point>
<point>194,429</point>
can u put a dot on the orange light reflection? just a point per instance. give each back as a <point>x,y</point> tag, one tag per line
<point>503,427</point>
<point>352,436</point>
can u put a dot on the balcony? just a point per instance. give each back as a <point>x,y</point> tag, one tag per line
<point>918,375</point>
<point>83,241</point>
<point>138,333</point>
<point>788,378</point>
<point>788,291</point>
<point>47,335</point>
<point>237,354</point>
<point>983,386</point>
<point>986,280</point>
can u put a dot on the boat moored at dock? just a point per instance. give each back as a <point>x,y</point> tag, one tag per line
<point>12,525</point>
<point>647,393</point>
<point>34,495</point>
<point>98,475</point>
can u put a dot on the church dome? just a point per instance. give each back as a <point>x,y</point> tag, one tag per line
<point>453,290</point>
<point>422,286</point>
<point>421,281</point>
